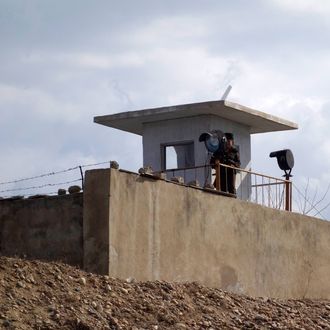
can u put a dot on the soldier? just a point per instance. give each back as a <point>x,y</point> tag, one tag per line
<point>229,156</point>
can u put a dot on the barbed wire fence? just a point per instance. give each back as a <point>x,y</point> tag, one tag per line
<point>46,183</point>
<point>41,184</point>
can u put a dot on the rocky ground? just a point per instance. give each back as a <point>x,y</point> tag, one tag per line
<point>38,295</point>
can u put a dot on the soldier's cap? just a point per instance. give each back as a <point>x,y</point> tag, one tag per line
<point>229,136</point>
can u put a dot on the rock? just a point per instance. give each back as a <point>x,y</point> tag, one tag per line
<point>20,284</point>
<point>160,175</point>
<point>52,309</point>
<point>31,279</point>
<point>146,170</point>
<point>124,290</point>
<point>193,183</point>
<point>139,305</point>
<point>74,189</point>
<point>114,165</point>
<point>261,318</point>
<point>6,323</point>
<point>61,192</point>
<point>177,179</point>
<point>209,186</point>
<point>130,280</point>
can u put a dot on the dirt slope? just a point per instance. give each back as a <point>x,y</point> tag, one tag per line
<point>37,295</point>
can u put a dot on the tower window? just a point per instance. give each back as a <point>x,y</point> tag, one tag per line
<point>178,155</point>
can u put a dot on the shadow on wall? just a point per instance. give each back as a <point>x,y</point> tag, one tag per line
<point>49,228</point>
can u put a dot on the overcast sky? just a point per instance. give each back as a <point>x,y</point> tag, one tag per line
<point>64,62</point>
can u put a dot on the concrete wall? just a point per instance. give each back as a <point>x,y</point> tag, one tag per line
<point>45,228</point>
<point>96,221</point>
<point>163,231</point>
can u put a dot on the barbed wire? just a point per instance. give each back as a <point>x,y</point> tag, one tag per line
<point>41,186</point>
<point>53,173</point>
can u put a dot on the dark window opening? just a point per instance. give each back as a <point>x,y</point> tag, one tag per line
<point>178,155</point>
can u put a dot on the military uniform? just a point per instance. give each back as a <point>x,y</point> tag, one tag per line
<point>227,175</point>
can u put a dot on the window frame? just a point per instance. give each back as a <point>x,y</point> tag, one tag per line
<point>172,144</point>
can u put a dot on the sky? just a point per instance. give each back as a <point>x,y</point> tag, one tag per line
<point>64,62</point>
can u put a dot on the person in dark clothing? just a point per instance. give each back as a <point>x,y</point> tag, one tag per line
<point>228,156</point>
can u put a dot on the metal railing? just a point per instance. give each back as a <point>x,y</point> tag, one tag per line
<point>251,186</point>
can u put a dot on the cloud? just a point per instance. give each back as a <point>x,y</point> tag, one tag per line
<point>36,103</point>
<point>63,63</point>
<point>320,7</point>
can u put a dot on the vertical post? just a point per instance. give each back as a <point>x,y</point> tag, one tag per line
<point>288,197</point>
<point>217,175</point>
<point>82,177</point>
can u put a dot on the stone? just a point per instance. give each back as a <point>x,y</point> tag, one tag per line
<point>74,189</point>
<point>261,318</point>
<point>160,175</point>
<point>209,186</point>
<point>114,165</point>
<point>193,183</point>
<point>82,281</point>
<point>177,179</point>
<point>130,280</point>
<point>180,325</point>
<point>146,170</point>
<point>31,279</point>
<point>61,192</point>
<point>6,323</point>
<point>124,290</point>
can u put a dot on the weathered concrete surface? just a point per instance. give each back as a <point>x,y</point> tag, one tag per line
<point>45,228</point>
<point>161,230</point>
<point>96,221</point>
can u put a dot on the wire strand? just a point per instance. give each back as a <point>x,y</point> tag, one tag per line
<point>52,173</point>
<point>41,186</point>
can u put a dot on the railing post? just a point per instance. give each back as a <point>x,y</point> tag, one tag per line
<point>217,175</point>
<point>288,199</point>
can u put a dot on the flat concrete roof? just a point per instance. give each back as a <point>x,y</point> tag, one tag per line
<point>259,122</point>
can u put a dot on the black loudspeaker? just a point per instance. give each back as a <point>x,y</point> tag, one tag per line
<point>285,159</point>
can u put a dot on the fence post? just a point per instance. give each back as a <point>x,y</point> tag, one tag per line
<point>288,199</point>
<point>217,175</point>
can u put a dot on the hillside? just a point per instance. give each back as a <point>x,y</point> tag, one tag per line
<point>38,295</point>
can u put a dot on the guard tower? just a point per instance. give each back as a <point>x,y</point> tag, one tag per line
<point>170,134</point>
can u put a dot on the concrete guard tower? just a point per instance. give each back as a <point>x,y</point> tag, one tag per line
<point>170,134</point>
